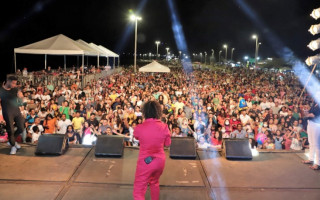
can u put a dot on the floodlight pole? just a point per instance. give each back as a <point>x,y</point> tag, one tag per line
<point>135,46</point>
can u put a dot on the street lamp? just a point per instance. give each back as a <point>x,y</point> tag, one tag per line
<point>167,52</point>
<point>220,55</point>
<point>135,19</point>
<point>157,43</point>
<point>257,46</point>
<point>212,55</point>
<point>180,55</point>
<point>200,57</point>
<point>232,53</point>
<point>205,58</point>
<point>226,47</point>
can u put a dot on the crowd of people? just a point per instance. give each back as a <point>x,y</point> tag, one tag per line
<point>51,77</point>
<point>203,104</point>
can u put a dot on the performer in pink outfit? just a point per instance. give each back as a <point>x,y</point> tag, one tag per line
<point>153,135</point>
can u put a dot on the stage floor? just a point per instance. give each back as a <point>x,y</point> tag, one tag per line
<point>78,174</point>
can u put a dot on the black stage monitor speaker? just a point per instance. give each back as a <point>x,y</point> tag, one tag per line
<point>237,149</point>
<point>51,144</point>
<point>183,147</point>
<point>109,146</point>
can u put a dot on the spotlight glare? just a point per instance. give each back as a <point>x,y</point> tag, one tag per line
<point>315,13</point>
<point>134,17</point>
<point>314,45</point>
<point>313,60</point>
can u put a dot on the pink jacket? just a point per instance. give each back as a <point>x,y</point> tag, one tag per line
<point>153,135</point>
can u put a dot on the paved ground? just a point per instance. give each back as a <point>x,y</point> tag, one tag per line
<point>78,174</point>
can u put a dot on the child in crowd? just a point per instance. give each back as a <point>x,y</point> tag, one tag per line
<point>278,140</point>
<point>216,139</point>
<point>269,144</point>
<point>202,143</point>
<point>36,134</point>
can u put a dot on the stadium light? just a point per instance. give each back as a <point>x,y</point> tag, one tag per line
<point>315,13</point>
<point>314,44</point>
<point>314,29</point>
<point>226,47</point>
<point>256,50</point>
<point>313,60</point>
<point>135,19</point>
<point>157,43</point>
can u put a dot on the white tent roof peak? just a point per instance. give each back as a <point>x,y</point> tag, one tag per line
<point>105,50</point>
<point>92,47</point>
<point>154,67</point>
<point>56,45</point>
<point>109,51</point>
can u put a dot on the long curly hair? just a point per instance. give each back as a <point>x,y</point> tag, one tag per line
<point>152,109</point>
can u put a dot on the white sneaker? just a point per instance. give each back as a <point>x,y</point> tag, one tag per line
<point>13,150</point>
<point>17,146</point>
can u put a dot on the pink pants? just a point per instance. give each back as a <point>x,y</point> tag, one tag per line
<point>148,174</point>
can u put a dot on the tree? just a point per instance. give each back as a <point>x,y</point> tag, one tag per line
<point>276,63</point>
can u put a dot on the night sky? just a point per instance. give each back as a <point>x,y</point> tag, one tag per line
<point>207,24</point>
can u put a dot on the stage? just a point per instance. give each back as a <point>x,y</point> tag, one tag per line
<point>78,174</point>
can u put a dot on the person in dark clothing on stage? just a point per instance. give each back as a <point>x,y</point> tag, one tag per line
<point>313,131</point>
<point>9,95</point>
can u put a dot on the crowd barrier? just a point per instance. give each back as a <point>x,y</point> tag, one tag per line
<point>66,78</point>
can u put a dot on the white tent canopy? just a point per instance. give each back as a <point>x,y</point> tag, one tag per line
<point>63,45</point>
<point>107,52</point>
<point>56,45</point>
<point>154,67</point>
<point>111,53</point>
<point>94,49</point>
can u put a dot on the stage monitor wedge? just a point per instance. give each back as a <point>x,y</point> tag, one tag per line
<point>183,147</point>
<point>51,144</point>
<point>237,149</point>
<point>109,146</point>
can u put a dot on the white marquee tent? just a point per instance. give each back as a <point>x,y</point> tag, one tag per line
<point>94,49</point>
<point>154,67</point>
<point>56,45</point>
<point>111,53</point>
<point>108,53</point>
<point>63,45</point>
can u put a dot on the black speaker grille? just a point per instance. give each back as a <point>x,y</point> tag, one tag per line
<point>183,147</point>
<point>51,144</point>
<point>237,149</point>
<point>109,146</point>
